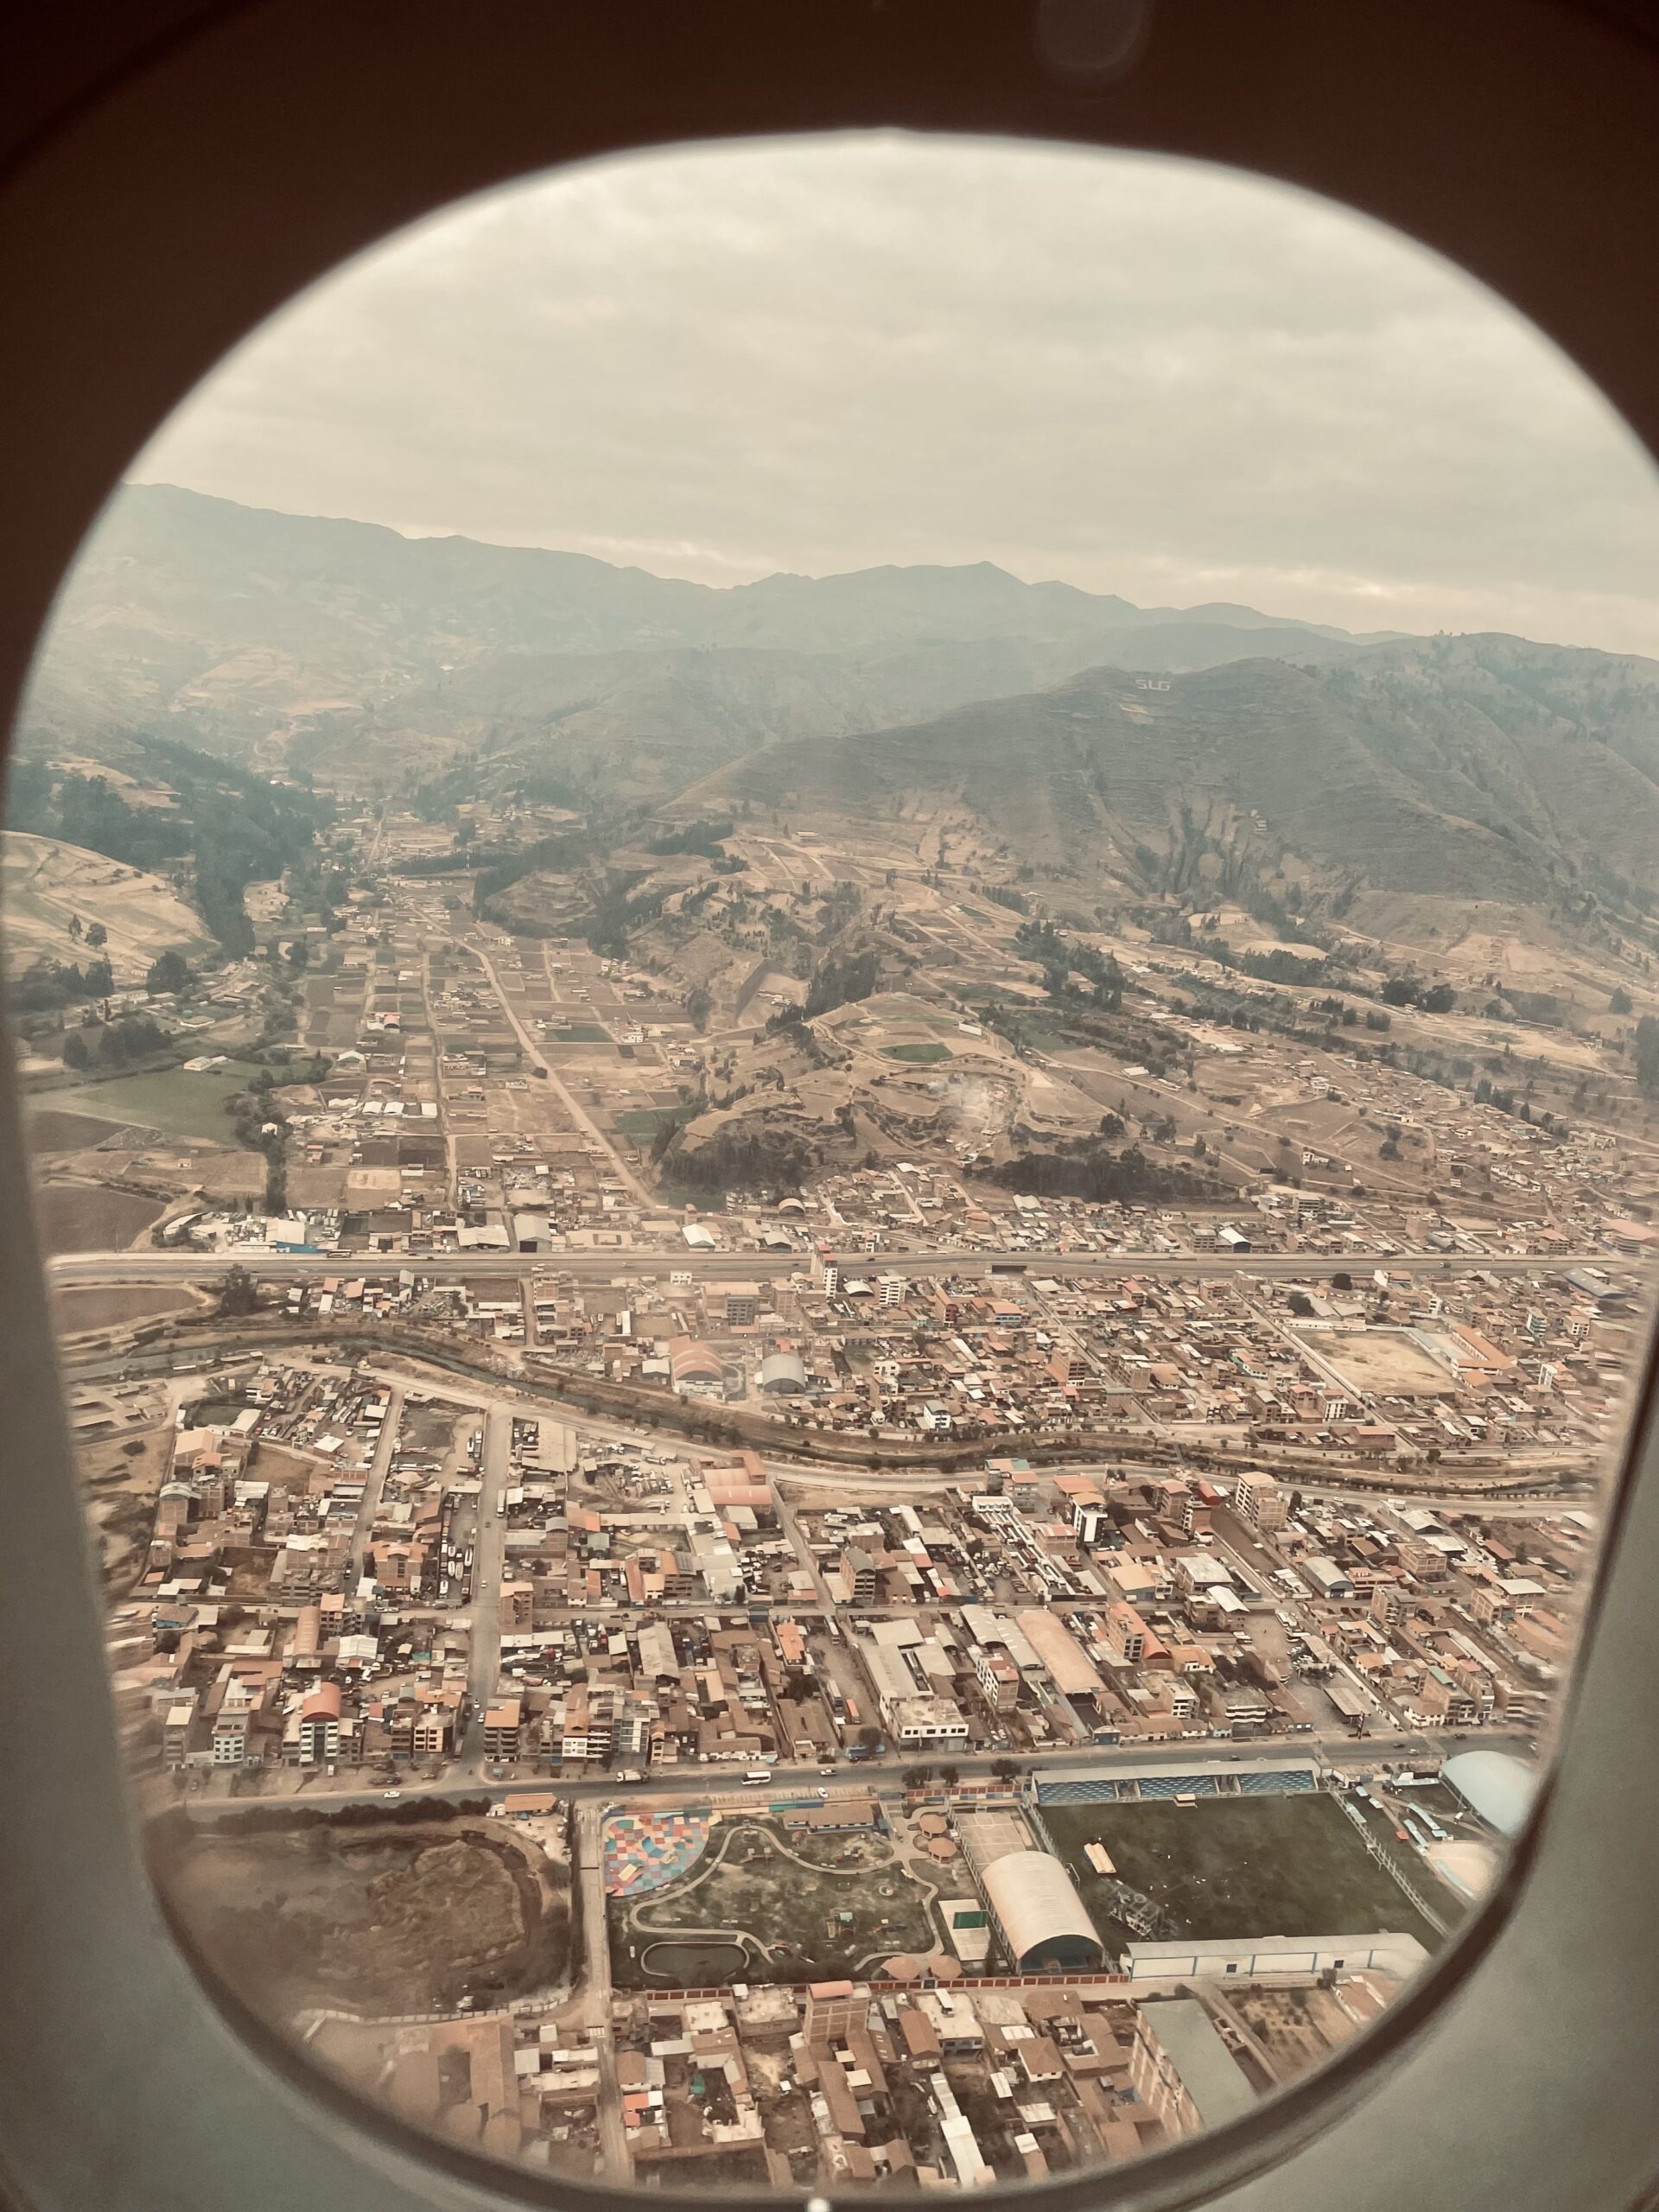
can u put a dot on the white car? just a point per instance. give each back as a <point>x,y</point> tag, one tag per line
<point>390,1795</point>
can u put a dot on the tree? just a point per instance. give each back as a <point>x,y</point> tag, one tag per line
<point>1006,1770</point>
<point>238,1294</point>
<point>170,972</point>
<point>1620,1001</point>
<point>98,936</point>
<point>1647,1057</point>
<point>869,1735</point>
<point>75,1054</point>
<point>1440,1000</point>
<point>950,1776</point>
<point>1300,1304</point>
<point>699,1004</point>
<point>918,1778</point>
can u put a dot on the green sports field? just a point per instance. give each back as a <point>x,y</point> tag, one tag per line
<point>1230,1867</point>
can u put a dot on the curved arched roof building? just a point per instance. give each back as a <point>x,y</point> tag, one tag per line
<point>1041,1918</point>
<point>690,1360</point>
<point>1497,1787</point>
<point>782,1370</point>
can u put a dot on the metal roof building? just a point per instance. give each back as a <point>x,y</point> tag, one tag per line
<point>1039,1913</point>
<point>1060,1652</point>
<point>1184,2071</point>
<point>782,1371</point>
<point>1497,1787</point>
<point>690,1360</point>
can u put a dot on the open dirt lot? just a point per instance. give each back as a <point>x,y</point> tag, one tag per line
<point>85,1217</point>
<point>48,1130</point>
<point>121,1479</point>
<point>383,1918</point>
<point>75,1310</point>
<point>1382,1361</point>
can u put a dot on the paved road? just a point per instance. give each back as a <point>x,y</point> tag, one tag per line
<point>618,2162</point>
<point>579,1121</point>
<point>685,1784</point>
<point>373,1488</point>
<point>149,1266</point>
<point>489,1550</point>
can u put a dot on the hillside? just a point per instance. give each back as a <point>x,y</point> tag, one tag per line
<point>47,886</point>
<point>1480,767</point>
<point>250,632</point>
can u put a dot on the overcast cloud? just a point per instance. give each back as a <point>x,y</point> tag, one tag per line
<point>1139,377</point>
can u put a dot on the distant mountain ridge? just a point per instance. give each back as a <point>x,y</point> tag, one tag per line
<point>1165,748</point>
<point>228,622</point>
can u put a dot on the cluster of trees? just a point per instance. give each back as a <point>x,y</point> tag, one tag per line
<point>704,838</point>
<point>168,972</point>
<point>261,1126</point>
<point>47,984</point>
<point>239,829</point>
<point>746,1158</point>
<point>1004,894</point>
<point>239,1295</point>
<point>1647,1057</point>
<point>840,983</point>
<point>1087,1169</point>
<point>1339,1010</point>
<point>1428,998</point>
<point>560,851</point>
<point>1059,959</point>
<point>1281,965</point>
<point>114,1044</point>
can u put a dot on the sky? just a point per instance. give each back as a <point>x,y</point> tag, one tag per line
<point>1136,375</point>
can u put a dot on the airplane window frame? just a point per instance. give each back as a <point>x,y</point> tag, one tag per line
<point>182,192</point>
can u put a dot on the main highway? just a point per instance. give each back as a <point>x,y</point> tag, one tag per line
<point>692,1783</point>
<point>72,1269</point>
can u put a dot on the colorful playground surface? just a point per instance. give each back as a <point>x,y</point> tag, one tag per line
<point>644,1851</point>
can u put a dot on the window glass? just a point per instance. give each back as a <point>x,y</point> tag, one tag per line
<point>835,966</point>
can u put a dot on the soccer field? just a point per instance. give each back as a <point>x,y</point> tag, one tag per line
<point>1232,1867</point>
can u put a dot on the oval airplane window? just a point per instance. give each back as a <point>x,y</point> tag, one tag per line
<point>836,965</point>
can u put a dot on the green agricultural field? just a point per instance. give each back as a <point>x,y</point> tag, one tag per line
<point>579,1032</point>
<point>177,1104</point>
<point>923,1055</point>
<point>1231,1867</point>
<point>642,1123</point>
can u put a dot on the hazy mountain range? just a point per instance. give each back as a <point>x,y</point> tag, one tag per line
<point>232,623</point>
<point>1091,734</point>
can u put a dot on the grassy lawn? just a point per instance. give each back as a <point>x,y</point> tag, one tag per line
<point>642,1122</point>
<point>923,1055</point>
<point>1039,1037</point>
<point>177,1104</point>
<point>1232,1867</point>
